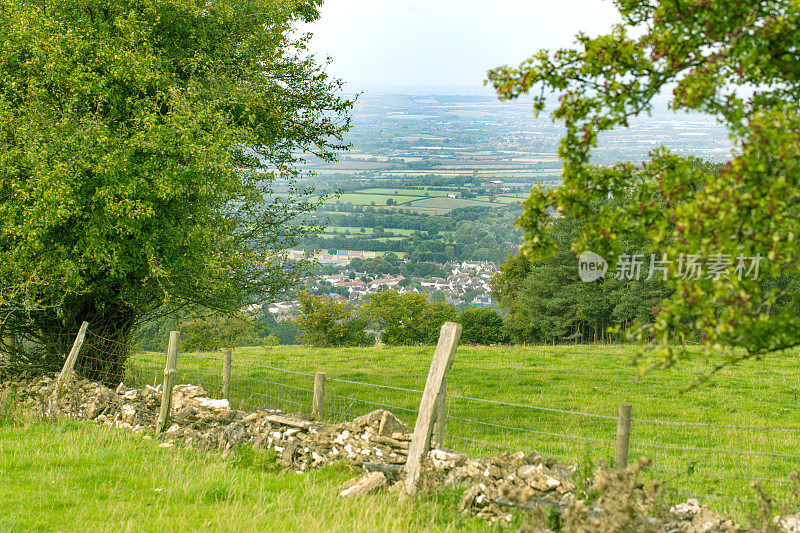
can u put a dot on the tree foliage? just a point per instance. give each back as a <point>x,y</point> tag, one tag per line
<point>482,326</point>
<point>548,302</point>
<point>408,318</point>
<point>210,333</point>
<point>139,145</point>
<point>736,61</point>
<point>327,322</point>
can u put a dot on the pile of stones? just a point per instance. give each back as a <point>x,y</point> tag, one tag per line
<point>495,488</point>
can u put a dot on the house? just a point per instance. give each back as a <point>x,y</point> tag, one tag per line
<point>284,310</point>
<point>482,300</point>
<point>386,282</point>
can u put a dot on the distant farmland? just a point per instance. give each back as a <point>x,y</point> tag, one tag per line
<point>367,199</point>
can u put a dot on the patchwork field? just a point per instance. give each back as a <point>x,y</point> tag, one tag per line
<point>711,441</point>
<point>448,203</point>
<point>367,199</point>
<point>407,192</point>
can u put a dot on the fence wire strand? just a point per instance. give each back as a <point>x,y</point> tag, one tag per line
<point>481,425</point>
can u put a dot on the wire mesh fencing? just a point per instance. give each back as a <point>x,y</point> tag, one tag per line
<point>256,386</point>
<point>346,399</point>
<point>715,461</point>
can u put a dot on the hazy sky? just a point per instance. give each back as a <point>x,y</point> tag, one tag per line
<point>383,44</point>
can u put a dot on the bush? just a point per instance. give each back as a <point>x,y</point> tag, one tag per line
<point>482,326</point>
<point>409,318</point>
<point>287,332</point>
<point>327,322</point>
<point>216,331</point>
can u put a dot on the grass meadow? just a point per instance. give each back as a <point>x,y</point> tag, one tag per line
<point>562,401</point>
<point>77,476</point>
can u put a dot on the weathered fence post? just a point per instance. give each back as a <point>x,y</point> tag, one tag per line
<point>623,435</point>
<point>66,372</point>
<point>318,403</point>
<point>226,373</point>
<point>421,440</point>
<point>169,380</point>
<point>441,414</point>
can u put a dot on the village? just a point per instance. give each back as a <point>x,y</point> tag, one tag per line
<point>467,285</point>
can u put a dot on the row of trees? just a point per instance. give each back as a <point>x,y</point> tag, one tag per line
<point>395,319</point>
<point>206,330</point>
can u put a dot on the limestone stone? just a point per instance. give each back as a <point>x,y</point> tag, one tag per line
<point>363,484</point>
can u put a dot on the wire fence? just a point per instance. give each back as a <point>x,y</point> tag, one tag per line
<point>715,462</point>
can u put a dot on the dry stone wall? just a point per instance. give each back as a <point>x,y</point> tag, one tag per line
<point>497,488</point>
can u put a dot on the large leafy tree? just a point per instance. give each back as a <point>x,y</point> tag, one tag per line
<point>140,141</point>
<point>331,321</point>
<point>737,61</point>
<point>408,318</point>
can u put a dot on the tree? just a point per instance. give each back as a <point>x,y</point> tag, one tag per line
<point>547,301</point>
<point>737,62</point>
<point>482,326</point>
<point>217,331</point>
<point>139,141</point>
<point>287,332</point>
<point>436,314</point>
<point>409,318</point>
<point>327,322</point>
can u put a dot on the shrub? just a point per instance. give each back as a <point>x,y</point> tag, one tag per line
<point>329,322</point>
<point>482,326</point>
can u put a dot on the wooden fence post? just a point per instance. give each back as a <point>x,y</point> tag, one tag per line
<point>169,380</point>
<point>623,435</point>
<point>318,403</point>
<point>66,372</point>
<point>421,440</point>
<point>441,414</point>
<point>226,373</point>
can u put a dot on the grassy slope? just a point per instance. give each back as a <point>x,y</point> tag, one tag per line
<point>593,379</point>
<point>75,476</point>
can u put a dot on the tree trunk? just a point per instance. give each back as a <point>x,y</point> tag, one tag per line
<point>107,344</point>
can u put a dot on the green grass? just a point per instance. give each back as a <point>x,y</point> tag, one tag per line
<point>76,476</point>
<point>506,199</point>
<point>367,199</point>
<point>449,203</point>
<point>356,231</point>
<point>589,379</point>
<point>407,192</point>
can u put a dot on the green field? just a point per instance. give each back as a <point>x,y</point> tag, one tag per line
<point>367,199</point>
<point>77,476</point>
<point>559,401</point>
<point>448,203</point>
<point>406,192</point>
<point>499,199</point>
<point>340,230</point>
